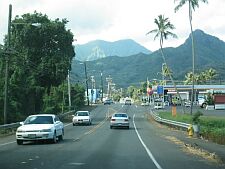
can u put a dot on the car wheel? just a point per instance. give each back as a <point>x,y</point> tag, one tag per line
<point>61,136</point>
<point>203,105</point>
<point>73,124</point>
<point>54,139</point>
<point>111,127</point>
<point>128,127</point>
<point>19,142</point>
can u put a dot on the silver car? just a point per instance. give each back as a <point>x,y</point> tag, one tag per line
<point>40,127</point>
<point>119,120</point>
<point>82,117</point>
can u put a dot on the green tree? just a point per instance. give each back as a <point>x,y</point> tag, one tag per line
<point>57,101</point>
<point>134,92</point>
<point>210,74</point>
<point>192,4</point>
<point>41,60</point>
<point>77,96</point>
<point>163,31</point>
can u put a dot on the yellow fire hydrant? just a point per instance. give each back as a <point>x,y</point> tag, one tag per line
<point>190,130</point>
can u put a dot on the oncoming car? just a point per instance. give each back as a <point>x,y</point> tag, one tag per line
<point>82,117</point>
<point>108,101</point>
<point>119,120</point>
<point>40,127</point>
<point>127,102</point>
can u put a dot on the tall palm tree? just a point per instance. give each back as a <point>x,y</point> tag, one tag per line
<point>166,71</point>
<point>192,5</point>
<point>163,32</point>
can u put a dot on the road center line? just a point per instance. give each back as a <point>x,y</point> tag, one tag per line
<point>146,148</point>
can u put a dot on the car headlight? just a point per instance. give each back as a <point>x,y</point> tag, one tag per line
<point>46,130</point>
<point>19,131</point>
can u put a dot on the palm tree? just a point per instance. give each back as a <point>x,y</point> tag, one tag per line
<point>188,78</point>
<point>163,32</point>
<point>192,5</point>
<point>166,71</point>
<point>210,74</point>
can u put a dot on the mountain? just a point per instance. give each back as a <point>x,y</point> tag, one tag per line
<point>100,49</point>
<point>131,70</point>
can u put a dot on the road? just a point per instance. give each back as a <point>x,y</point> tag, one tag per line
<point>145,145</point>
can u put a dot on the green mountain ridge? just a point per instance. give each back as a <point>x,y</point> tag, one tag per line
<point>100,49</point>
<point>134,69</point>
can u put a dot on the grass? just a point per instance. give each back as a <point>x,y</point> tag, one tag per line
<point>212,128</point>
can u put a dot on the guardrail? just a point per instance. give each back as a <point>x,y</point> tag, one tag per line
<point>169,122</point>
<point>13,126</point>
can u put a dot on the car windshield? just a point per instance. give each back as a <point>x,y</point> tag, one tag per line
<point>39,120</point>
<point>120,115</point>
<point>82,113</point>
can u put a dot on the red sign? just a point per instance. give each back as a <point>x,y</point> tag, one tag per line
<point>149,91</point>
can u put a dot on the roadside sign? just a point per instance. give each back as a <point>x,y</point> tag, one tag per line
<point>160,90</point>
<point>149,91</point>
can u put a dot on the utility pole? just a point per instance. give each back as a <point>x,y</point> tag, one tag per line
<point>69,89</point>
<point>92,87</point>
<point>109,81</point>
<point>102,87</point>
<point>85,70</point>
<point>7,65</point>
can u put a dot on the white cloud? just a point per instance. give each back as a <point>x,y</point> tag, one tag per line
<point>118,19</point>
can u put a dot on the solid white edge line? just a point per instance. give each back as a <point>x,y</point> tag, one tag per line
<point>7,143</point>
<point>67,124</point>
<point>146,148</point>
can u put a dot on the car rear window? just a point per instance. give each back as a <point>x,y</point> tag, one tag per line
<point>120,115</point>
<point>82,113</point>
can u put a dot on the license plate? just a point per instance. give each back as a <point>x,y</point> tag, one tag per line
<point>32,135</point>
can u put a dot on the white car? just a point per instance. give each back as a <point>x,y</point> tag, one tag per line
<point>82,117</point>
<point>187,103</point>
<point>158,105</point>
<point>119,120</point>
<point>145,104</point>
<point>202,102</point>
<point>40,127</point>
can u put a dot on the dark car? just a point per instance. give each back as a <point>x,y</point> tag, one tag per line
<point>108,101</point>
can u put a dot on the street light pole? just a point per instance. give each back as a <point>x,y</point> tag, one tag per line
<point>92,87</point>
<point>7,66</point>
<point>109,81</point>
<point>69,89</point>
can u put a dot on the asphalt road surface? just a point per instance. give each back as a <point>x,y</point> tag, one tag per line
<point>145,145</point>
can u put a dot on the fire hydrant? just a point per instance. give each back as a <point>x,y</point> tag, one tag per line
<point>190,130</point>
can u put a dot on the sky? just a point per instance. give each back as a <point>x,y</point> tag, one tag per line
<point>113,20</point>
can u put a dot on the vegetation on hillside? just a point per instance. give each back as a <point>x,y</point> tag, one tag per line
<point>133,70</point>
